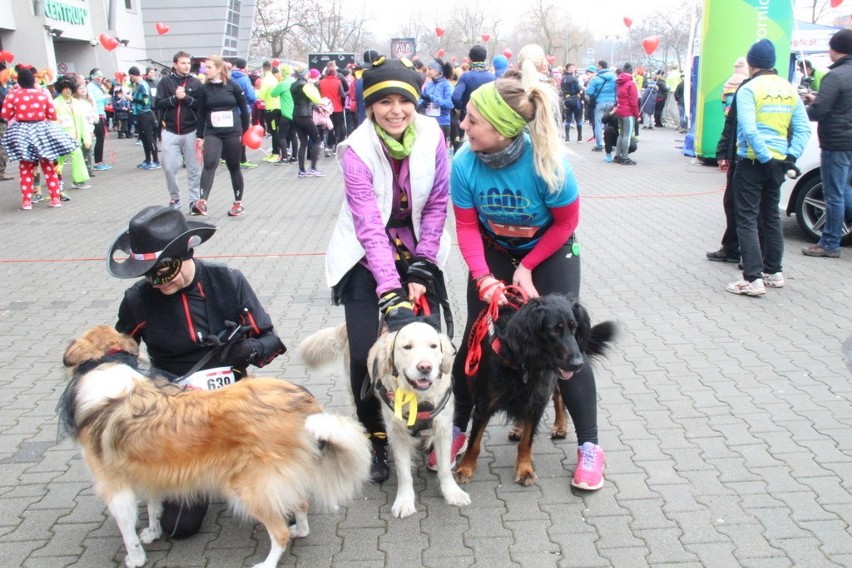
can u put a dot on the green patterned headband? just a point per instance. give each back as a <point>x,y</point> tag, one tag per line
<point>495,110</point>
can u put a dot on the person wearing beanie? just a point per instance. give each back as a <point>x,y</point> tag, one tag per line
<point>241,77</point>
<point>146,121</point>
<point>500,64</point>
<point>601,96</point>
<point>514,144</point>
<point>734,81</point>
<point>726,159</point>
<point>389,241</point>
<point>305,97</point>
<point>287,137</point>
<point>772,130</point>
<point>71,116</point>
<point>437,97</point>
<point>831,108</point>
<point>271,110</point>
<point>469,81</point>
<point>33,138</point>
<point>333,88</point>
<point>572,99</point>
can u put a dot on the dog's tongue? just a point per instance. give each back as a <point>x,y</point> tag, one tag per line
<point>423,383</point>
<point>565,375</point>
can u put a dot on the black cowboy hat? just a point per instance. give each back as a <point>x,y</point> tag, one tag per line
<point>154,234</point>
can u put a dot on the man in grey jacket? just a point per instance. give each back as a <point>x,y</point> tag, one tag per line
<point>831,107</point>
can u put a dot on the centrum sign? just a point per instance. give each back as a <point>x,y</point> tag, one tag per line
<point>62,12</point>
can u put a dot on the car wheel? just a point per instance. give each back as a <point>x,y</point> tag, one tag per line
<point>810,210</point>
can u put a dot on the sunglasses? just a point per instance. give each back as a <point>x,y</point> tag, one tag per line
<point>164,272</point>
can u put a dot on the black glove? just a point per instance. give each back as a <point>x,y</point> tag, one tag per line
<point>423,271</point>
<point>426,98</point>
<point>787,165</point>
<point>240,354</point>
<point>397,309</point>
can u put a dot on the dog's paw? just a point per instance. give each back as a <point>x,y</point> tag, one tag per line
<point>403,508</point>
<point>299,532</point>
<point>558,432</point>
<point>463,474</point>
<point>135,558</point>
<point>525,477</point>
<point>149,535</point>
<point>456,497</point>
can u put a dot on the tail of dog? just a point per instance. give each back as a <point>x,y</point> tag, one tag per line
<point>328,345</point>
<point>601,337</point>
<point>345,458</point>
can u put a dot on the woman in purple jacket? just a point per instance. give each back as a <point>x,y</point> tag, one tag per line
<point>389,240</point>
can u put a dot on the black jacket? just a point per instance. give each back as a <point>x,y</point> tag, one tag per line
<point>832,108</point>
<point>726,149</point>
<point>221,97</point>
<point>174,328</point>
<point>179,115</point>
<point>302,105</point>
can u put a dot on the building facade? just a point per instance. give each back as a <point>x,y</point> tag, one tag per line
<point>69,35</point>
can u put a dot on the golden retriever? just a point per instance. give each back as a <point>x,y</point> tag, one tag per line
<point>263,444</point>
<point>410,372</point>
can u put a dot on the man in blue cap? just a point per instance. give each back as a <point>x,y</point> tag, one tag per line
<point>772,130</point>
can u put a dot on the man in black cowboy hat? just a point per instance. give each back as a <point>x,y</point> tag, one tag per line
<point>183,309</point>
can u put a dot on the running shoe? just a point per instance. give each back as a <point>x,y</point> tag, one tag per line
<point>591,462</point>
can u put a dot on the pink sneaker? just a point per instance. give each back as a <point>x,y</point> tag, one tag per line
<point>591,461</point>
<point>458,446</point>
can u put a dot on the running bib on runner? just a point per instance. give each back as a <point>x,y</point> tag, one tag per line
<point>222,119</point>
<point>210,379</point>
<point>433,110</point>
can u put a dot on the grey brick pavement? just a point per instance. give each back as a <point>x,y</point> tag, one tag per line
<point>726,420</point>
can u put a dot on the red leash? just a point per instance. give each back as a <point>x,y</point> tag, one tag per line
<point>485,324</point>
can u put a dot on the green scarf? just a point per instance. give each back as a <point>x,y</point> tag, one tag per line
<point>398,150</point>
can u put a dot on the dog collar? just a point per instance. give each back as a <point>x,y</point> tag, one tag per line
<point>115,356</point>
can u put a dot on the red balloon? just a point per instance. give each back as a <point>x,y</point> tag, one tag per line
<point>486,37</point>
<point>650,44</point>
<point>108,42</point>
<point>551,59</point>
<point>627,21</point>
<point>439,32</point>
<point>10,57</point>
<point>508,53</point>
<point>162,28</point>
<point>119,75</point>
<point>440,52</point>
<point>836,3</point>
<point>275,63</point>
<point>6,56</point>
<point>453,59</point>
<point>253,137</point>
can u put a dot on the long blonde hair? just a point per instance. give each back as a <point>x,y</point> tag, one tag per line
<point>219,63</point>
<point>535,106</point>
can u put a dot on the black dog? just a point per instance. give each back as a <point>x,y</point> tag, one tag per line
<point>547,338</point>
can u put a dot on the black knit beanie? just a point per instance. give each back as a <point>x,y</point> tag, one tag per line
<point>391,76</point>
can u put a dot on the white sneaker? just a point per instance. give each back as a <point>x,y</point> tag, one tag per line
<point>773,280</point>
<point>746,288</point>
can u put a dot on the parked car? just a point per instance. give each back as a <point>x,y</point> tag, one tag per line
<point>803,196</point>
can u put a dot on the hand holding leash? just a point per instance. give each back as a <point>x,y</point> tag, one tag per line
<point>397,309</point>
<point>523,280</point>
<point>489,288</point>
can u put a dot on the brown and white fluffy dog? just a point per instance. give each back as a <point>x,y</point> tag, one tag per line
<point>413,362</point>
<point>263,444</point>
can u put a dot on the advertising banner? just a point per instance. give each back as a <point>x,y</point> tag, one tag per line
<point>403,47</point>
<point>730,27</point>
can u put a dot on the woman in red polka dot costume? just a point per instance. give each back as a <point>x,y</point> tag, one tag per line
<point>32,137</point>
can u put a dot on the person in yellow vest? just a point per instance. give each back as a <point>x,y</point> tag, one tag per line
<point>772,130</point>
<point>272,114</point>
<point>71,115</point>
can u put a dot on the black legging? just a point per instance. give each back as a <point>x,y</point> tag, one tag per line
<point>306,129</point>
<point>272,118</point>
<point>361,309</point>
<point>147,125</point>
<point>283,136</point>
<point>99,140</point>
<point>560,273</point>
<point>574,112</point>
<point>216,148</point>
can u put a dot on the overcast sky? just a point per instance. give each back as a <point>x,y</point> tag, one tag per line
<point>599,16</point>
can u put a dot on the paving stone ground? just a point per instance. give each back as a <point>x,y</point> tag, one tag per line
<point>727,421</point>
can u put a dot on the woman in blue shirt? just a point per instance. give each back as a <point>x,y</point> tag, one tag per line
<point>437,96</point>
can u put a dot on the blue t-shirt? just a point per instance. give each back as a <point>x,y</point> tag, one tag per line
<point>513,195</point>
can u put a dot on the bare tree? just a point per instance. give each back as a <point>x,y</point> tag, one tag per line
<point>276,23</point>
<point>333,30</point>
<point>818,9</point>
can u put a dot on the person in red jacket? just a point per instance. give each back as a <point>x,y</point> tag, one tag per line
<point>627,111</point>
<point>331,88</point>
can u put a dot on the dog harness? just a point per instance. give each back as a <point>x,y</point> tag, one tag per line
<point>419,417</point>
<point>484,326</point>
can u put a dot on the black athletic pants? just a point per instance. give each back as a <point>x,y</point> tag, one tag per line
<point>216,148</point>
